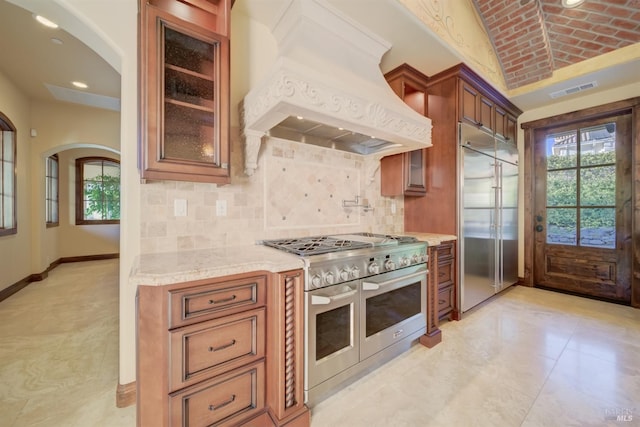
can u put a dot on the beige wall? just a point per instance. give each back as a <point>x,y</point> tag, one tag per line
<point>15,262</point>
<point>61,127</point>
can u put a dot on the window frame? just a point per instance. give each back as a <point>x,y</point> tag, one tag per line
<point>80,220</point>
<point>7,126</point>
<point>49,201</point>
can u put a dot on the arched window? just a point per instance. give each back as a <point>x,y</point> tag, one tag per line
<point>8,222</point>
<point>97,190</point>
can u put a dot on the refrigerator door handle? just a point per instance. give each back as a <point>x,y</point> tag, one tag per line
<point>496,214</point>
<point>500,244</point>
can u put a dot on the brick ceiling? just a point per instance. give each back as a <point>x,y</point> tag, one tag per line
<point>535,37</point>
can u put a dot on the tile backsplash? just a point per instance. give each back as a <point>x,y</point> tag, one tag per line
<point>297,190</point>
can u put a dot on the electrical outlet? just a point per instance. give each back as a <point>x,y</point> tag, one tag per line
<point>393,207</point>
<point>221,208</point>
<point>180,207</point>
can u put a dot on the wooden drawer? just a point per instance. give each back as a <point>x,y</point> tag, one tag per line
<point>446,299</point>
<point>446,273</point>
<point>210,348</point>
<point>209,301</point>
<point>222,401</point>
<point>445,251</point>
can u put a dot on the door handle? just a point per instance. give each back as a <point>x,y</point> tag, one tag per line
<point>539,228</point>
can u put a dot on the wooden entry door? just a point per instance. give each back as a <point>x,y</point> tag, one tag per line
<point>582,208</point>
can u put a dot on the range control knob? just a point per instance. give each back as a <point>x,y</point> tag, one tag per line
<point>374,268</point>
<point>404,261</point>
<point>414,259</point>
<point>329,278</point>
<point>316,281</point>
<point>344,275</point>
<point>355,272</point>
<point>389,265</point>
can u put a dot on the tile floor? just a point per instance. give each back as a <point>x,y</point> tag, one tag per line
<point>528,358</point>
<point>59,350</point>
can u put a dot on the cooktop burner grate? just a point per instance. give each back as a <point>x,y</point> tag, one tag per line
<point>315,245</point>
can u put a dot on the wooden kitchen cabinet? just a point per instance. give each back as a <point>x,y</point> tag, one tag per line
<point>404,174</point>
<point>447,289</point>
<point>455,95</point>
<point>222,352</point>
<point>476,108</point>
<point>184,88</point>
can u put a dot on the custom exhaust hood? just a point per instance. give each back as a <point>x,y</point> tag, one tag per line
<point>326,88</point>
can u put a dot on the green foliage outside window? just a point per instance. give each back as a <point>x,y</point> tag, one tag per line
<point>102,198</point>
<point>597,188</point>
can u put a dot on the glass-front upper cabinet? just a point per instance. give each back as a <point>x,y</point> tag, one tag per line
<point>185,94</point>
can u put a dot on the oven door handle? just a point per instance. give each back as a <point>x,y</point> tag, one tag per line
<point>323,300</point>
<point>374,286</point>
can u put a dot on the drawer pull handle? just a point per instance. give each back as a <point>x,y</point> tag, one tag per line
<point>441,301</point>
<point>223,404</point>
<point>222,300</point>
<point>222,347</point>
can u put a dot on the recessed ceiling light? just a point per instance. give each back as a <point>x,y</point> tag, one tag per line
<point>44,21</point>
<point>80,85</point>
<point>571,3</point>
<point>56,40</point>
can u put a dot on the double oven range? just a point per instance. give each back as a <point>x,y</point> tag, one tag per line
<point>365,303</point>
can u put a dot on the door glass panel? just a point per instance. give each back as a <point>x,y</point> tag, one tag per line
<point>587,186</point>
<point>561,226</point>
<point>333,331</point>
<point>598,186</point>
<point>392,307</point>
<point>598,145</point>
<point>561,188</point>
<point>562,150</point>
<point>598,227</point>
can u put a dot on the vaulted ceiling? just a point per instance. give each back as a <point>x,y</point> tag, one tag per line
<point>533,38</point>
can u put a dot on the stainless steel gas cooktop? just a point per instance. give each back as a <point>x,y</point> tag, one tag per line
<point>316,245</point>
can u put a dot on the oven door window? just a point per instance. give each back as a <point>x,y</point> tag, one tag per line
<point>333,331</point>
<point>391,308</point>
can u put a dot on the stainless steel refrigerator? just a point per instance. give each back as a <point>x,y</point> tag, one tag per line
<point>488,215</point>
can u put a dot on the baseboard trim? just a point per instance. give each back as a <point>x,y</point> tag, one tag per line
<point>36,277</point>
<point>87,258</point>
<point>126,395</point>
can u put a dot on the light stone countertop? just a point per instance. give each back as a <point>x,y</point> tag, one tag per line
<point>432,239</point>
<point>184,266</point>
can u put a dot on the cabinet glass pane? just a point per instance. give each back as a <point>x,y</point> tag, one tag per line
<point>187,52</point>
<point>416,173</point>
<point>190,99</point>
<point>189,134</point>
